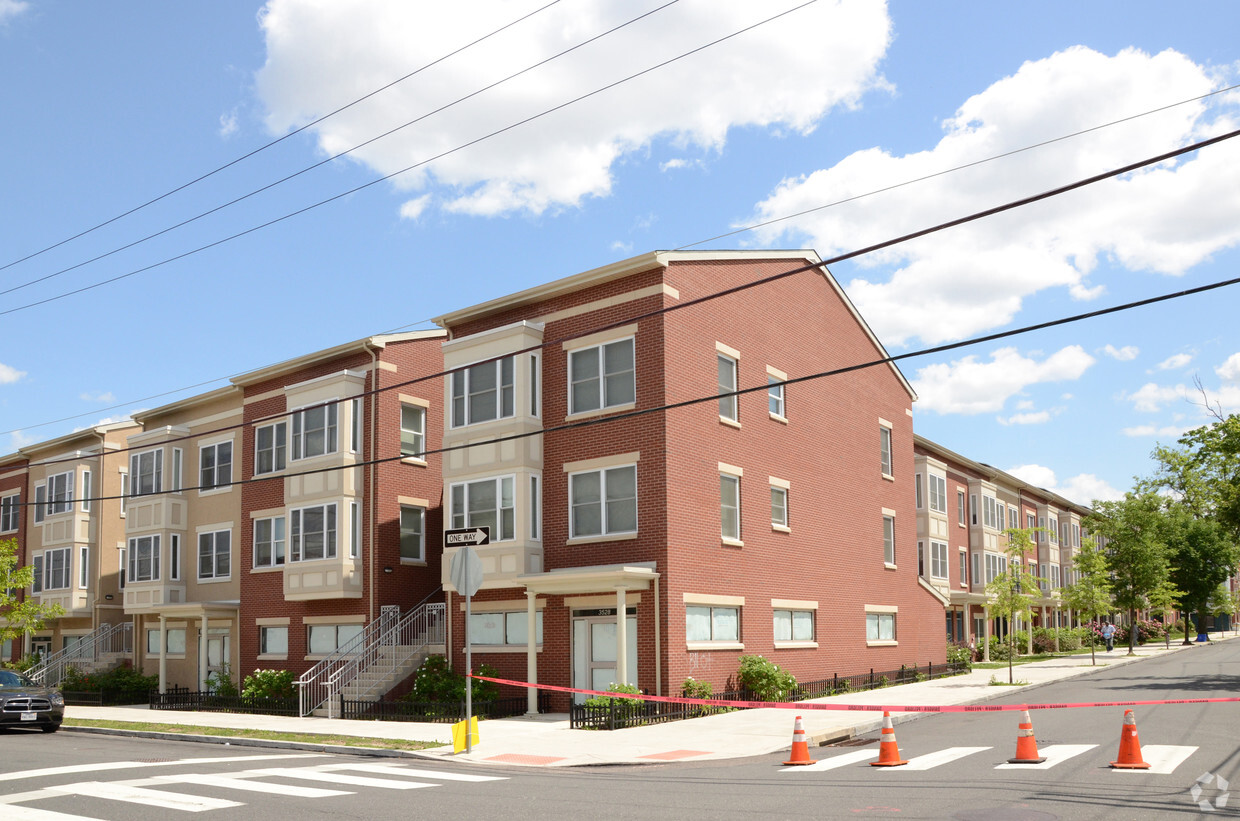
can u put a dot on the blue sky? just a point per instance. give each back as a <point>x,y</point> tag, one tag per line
<point>106,110</point>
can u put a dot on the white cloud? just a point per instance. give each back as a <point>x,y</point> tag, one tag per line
<point>228,124</point>
<point>622,247</point>
<point>1148,431</point>
<point>1026,418</point>
<point>11,8</point>
<point>971,386</point>
<point>1175,362</point>
<point>9,374</point>
<point>1082,489</point>
<point>1124,354</point>
<point>19,440</point>
<point>106,396</point>
<point>412,209</point>
<point>323,55</point>
<point>1229,371</point>
<point>1163,219</point>
<point>1151,398</point>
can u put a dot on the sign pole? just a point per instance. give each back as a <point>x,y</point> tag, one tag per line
<point>465,571</point>
<point>469,669</point>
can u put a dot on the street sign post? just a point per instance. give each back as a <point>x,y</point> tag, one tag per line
<point>465,572</point>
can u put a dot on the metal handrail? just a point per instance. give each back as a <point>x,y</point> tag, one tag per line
<point>312,686</point>
<point>107,638</point>
<point>416,630</point>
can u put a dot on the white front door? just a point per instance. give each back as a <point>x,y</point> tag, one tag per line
<point>594,649</point>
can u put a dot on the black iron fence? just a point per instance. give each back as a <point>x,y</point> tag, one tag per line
<point>437,712</point>
<point>618,713</point>
<point>106,698</point>
<point>185,699</point>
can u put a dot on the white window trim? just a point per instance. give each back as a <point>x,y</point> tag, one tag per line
<point>213,531</point>
<point>786,487</point>
<point>296,445</point>
<point>606,535</point>
<point>885,426</point>
<point>218,487</point>
<point>779,376</point>
<point>888,513</point>
<point>796,605</point>
<point>405,560</point>
<point>707,600</point>
<point>882,609</point>
<point>598,341</point>
<point>736,473</point>
<point>463,371</point>
<point>424,405</point>
<point>278,445</point>
<point>274,565</point>
<point>723,353</point>
<point>499,499</point>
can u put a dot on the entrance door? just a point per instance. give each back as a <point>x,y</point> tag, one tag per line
<point>217,652</point>
<point>594,649</point>
<point>41,646</point>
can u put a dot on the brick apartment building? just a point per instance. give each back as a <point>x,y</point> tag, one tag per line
<point>759,523</point>
<point>670,480</point>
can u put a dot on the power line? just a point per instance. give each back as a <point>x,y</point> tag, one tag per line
<point>973,217</point>
<point>262,148</point>
<point>334,157</point>
<point>406,169</point>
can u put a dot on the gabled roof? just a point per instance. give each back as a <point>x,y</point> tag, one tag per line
<point>376,342</point>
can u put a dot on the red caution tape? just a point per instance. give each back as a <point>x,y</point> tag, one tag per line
<point>894,708</point>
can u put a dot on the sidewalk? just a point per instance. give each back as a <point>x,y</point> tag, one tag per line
<point>547,740</point>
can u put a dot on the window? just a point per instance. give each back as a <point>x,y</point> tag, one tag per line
<point>1000,516</point>
<point>178,460</point>
<point>535,508</point>
<point>355,429</point>
<point>314,431</point>
<point>86,491</point>
<point>412,533</point>
<point>56,566</point>
<point>918,496</point>
<point>84,568</point>
<point>215,466</point>
<point>884,449</point>
<point>269,448</point>
<point>313,533</point>
<point>995,566</point>
<point>730,506</point>
<point>712,623</point>
<point>535,390</point>
<point>989,507</point>
<point>960,506</point>
<point>938,493</point>
<point>146,472</point>
<point>37,585</point>
<point>964,568</point>
<point>880,626</point>
<point>1030,521</point>
<point>505,628</point>
<point>10,512</point>
<point>603,502</point>
<point>601,377</point>
<point>728,400</point>
<point>176,641</point>
<point>40,502</point>
<point>794,625</point>
<point>486,503</point>
<point>273,641</point>
<point>413,431</point>
<point>59,493</point>
<point>779,506</point>
<point>483,392</point>
<point>938,560</point>
<point>889,540</point>
<point>1052,527</point>
<point>327,638</point>
<point>775,396</point>
<point>215,555</point>
<point>1013,517</point>
<point>355,529</point>
<point>124,491</point>
<point>124,571</point>
<point>269,542</point>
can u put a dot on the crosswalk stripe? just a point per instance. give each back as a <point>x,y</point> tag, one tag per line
<point>410,772</point>
<point>13,812</point>
<point>122,791</point>
<point>341,778</point>
<point>1054,754</point>
<point>99,766</point>
<point>241,782</point>
<point>932,760</point>
<point>834,762</point>
<point>1162,758</point>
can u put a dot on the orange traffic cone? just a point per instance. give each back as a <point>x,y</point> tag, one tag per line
<point>1026,744</point>
<point>800,747</point>
<point>888,749</point>
<point>1129,746</point>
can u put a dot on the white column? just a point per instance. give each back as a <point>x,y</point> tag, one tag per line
<point>531,653</point>
<point>163,654</point>
<point>202,656</point>
<point>986,630</point>
<point>622,639</point>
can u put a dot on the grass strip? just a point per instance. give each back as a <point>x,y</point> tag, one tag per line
<point>268,735</point>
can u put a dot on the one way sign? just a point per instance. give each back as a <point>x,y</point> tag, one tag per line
<point>467,536</point>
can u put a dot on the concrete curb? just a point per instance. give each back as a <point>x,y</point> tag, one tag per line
<point>234,741</point>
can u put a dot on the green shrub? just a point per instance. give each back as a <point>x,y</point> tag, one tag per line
<point>692,688</point>
<point>999,649</point>
<point>118,678</point>
<point>765,679</point>
<point>220,683</point>
<point>435,681</point>
<point>960,655</point>
<point>607,701</point>
<point>269,684</point>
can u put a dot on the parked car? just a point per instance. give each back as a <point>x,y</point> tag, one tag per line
<point>24,703</point>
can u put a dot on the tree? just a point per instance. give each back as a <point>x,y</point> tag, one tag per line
<point>20,615</point>
<point>1220,602</point>
<point>1008,590</point>
<point>1163,599</point>
<point>1130,531</point>
<point>1203,471</point>
<point>1204,557</point>
<point>1090,596</point>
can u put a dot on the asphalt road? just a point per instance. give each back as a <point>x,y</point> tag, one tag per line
<point>955,771</point>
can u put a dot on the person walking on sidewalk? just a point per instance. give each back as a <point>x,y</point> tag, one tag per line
<point>1108,635</point>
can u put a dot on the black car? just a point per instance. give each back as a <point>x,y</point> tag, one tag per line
<point>23,703</point>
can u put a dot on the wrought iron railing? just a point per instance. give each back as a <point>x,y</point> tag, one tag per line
<point>437,712</point>
<point>107,638</point>
<point>379,660</point>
